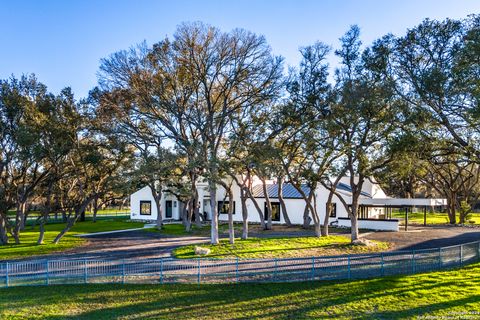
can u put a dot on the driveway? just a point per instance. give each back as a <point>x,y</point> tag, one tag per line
<point>140,244</point>
<point>419,237</point>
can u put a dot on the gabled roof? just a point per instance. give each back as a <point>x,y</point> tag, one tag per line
<point>345,187</point>
<point>288,191</point>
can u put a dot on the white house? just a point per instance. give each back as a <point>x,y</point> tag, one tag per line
<point>375,205</point>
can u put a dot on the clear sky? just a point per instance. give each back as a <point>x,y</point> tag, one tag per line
<point>62,41</point>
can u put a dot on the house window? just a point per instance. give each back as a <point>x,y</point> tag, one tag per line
<point>146,208</point>
<point>275,211</point>
<point>223,207</point>
<point>333,213</point>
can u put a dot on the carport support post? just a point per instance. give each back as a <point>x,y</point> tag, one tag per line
<point>424,216</point>
<point>406,218</point>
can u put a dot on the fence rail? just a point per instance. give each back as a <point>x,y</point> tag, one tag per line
<point>169,270</point>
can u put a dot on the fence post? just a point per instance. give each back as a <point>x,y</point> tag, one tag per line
<point>6,274</point>
<point>47,280</point>
<point>123,271</point>
<point>413,261</point>
<point>236,269</point>
<point>383,264</point>
<point>349,269</point>
<point>313,268</point>
<point>461,255</point>
<point>198,270</point>
<point>85,271</point>
<point>161,270</point>
<point>275,271</point>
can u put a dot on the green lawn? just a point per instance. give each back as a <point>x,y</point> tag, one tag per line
<point>28,238</point>
<point>281,247</point>
<point>177,229</point>
<point>433,218</point>
<point>451,294</point>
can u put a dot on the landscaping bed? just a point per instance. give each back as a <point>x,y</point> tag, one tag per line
<point>281,247</point>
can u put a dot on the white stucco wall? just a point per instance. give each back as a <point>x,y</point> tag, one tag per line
<point>145,194</point>
<point>295,207</point>
<point>386,225</point>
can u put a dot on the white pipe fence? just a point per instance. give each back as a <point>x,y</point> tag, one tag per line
<point>169,270</point>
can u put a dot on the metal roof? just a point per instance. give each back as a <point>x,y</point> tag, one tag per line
<point>345,187</point>
<point>288,191</point>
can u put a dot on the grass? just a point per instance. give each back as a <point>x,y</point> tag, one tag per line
<point>453,294</point>
<point>28,238</point>
<point>281,247</point>
<point>433,218</point>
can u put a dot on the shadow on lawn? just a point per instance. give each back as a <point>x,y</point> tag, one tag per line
<point>387,298</point>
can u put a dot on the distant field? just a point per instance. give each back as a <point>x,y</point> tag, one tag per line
<point>433,218</point>
<point>450,294</point>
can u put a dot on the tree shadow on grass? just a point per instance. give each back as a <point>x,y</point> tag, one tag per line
<point>387,298</point>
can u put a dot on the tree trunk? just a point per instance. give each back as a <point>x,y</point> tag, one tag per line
<point>3,230</point>
<point>353,220</point>
<point>268,206</point>
<point>196,206</point>
<point>282,202</point>
<point>259,210</point>
<point>95,209</point>
<point>243,199</point>
<point>306,212</point>
<point>451,208</point>
<point>41,232</point>
<point>213,207</point>
<point>231,231</point>
<point>158,203</point>
<point>328,211</point>
<point>70,222</point>
<point>354,230</point>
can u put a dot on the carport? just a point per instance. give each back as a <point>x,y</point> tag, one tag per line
<point>407,204</point>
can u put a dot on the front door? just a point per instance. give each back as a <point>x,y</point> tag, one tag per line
<point>168,209</point>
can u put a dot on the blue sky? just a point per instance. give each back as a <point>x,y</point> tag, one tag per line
<point>63,41</point>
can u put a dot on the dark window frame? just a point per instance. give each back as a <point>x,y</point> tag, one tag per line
<point>149,207</point>
<point>333,214</point>
<point>279,211</point>
<point>220,205</point>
